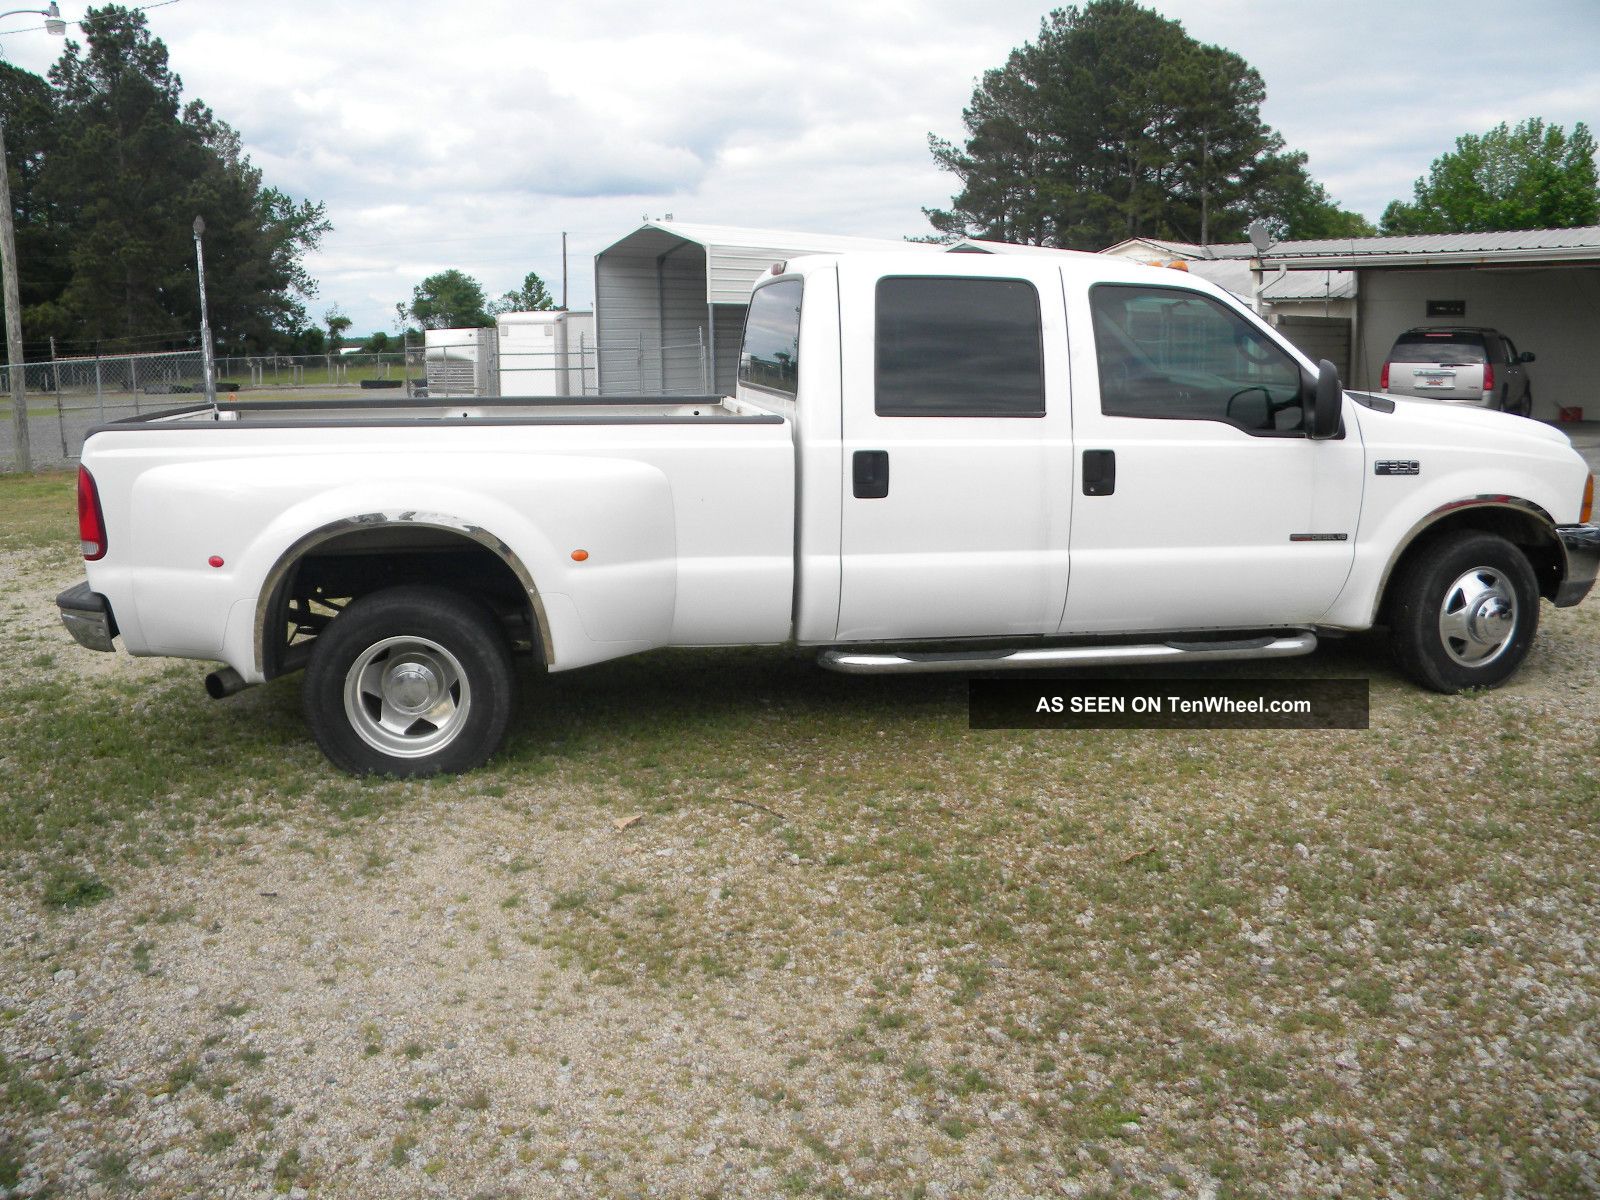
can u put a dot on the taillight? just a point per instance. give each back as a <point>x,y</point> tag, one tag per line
<point>91,521</point>
<point>1488,377</point>
<point>1383,380</point>
<point>1587,510</point>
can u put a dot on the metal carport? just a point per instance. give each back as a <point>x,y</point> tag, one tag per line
<point>670,299</point>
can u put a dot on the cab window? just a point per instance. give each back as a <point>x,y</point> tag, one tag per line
<point>770,358</point>
<point>1171,354</point>
<point>958,347</point>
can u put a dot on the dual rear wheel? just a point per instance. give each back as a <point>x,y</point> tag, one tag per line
<point>410,681</point>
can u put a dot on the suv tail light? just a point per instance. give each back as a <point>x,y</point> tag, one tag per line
<point>1383,380</point>
<point>1488,377</point>
<point>91,521</point>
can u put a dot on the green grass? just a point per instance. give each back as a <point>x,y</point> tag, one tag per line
<point>39,512</point>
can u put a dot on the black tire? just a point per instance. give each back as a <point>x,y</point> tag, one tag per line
<point>410,681</point>
<point>1463,612</point>
<point>1526,409</point>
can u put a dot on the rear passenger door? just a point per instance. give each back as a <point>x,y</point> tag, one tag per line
<point>957,492</point>
<point>1204,504</point>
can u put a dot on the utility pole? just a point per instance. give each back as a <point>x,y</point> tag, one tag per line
<point>13,299</point>
<point>205,321</point>
<point>56,27</point>
<point>563,270</point>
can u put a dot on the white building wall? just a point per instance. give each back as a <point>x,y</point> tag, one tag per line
<point>683,364</point>
<point>729,321</point>
<point>653,325</point>
<point>1554,312</point>
<point>628,315</point>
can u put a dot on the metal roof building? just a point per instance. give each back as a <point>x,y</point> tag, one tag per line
<point>1541,247</point>
<point>670,299</point>
<point>1541,287</point>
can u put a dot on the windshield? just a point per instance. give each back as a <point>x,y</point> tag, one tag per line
<point>770,359</point>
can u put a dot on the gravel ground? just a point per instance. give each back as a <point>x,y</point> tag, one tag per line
<point>492,989</point>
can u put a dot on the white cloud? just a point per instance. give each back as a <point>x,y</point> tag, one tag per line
<point>470,136</point>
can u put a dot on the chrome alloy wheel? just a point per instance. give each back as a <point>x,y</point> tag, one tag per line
<point>1478,617</point>
<point>407,696</point>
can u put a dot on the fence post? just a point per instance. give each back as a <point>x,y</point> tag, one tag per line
<point>99,395</point>
<point>133,377</point>
<point>61,420</point>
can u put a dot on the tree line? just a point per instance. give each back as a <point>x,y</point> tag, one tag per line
<point>455,300</point>
<point>109,167</point>
<point>1115,123</point>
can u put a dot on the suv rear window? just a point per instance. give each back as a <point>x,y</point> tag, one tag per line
<point>1441,347</point>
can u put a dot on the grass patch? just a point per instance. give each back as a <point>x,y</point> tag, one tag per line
<point>41,511</point>
<point>70,887</point>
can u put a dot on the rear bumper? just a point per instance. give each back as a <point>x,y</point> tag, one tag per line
<point>1582,546</point>
<point>87,616</point>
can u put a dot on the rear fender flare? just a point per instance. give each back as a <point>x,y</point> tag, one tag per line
<point>279,573</point>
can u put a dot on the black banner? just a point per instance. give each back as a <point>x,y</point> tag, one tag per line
<point>1077,703</point>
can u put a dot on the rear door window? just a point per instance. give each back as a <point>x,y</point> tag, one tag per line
<point>958,347</point>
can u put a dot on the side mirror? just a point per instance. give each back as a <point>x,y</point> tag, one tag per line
<point>1525,356</point>
<point>1323,402</point>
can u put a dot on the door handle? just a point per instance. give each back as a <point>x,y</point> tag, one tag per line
<point>869,471</point>
<point>1099,472</point>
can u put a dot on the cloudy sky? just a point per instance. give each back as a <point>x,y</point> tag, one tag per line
<point>471,135</point>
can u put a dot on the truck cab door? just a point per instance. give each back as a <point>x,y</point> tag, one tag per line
<point>1222,512</point>
<point>956,491</point>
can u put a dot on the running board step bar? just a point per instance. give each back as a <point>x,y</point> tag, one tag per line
<point>912,662</point>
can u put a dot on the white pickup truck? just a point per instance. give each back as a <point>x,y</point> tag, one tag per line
<point>930,463</point>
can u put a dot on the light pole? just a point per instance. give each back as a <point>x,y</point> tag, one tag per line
<point>205,321</point>
<point>54,25</point>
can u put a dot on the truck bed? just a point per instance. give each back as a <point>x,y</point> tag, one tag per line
<point>381,411</point>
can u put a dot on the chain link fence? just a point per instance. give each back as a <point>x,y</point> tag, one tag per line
<point>67,397</point>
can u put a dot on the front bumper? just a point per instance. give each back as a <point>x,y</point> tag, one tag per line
<point>1582,546</point>
<point>87,616</point>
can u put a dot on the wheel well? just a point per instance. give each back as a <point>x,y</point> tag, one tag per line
<point>1535,538</point>
<point>341,564</point>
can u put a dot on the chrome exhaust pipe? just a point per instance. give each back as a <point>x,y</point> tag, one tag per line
<point>224,682</point>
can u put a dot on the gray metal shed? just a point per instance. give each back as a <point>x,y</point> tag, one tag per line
<point>670,300</point>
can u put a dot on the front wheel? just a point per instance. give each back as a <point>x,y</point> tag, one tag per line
<point>1464,612</point>
<point>410,681</point>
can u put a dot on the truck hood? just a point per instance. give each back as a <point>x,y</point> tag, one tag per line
<point>1465,425</point>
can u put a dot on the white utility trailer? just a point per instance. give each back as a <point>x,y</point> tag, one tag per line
<point>547,354</point>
